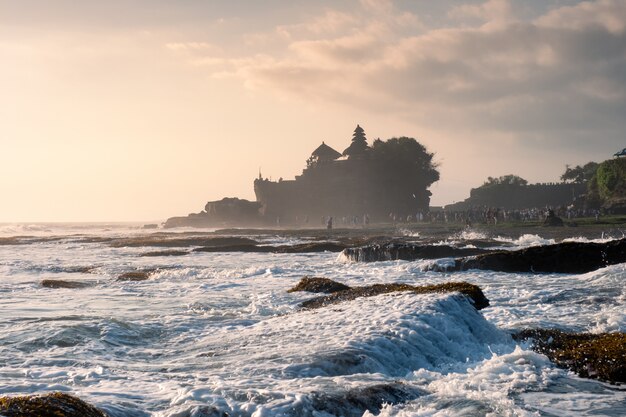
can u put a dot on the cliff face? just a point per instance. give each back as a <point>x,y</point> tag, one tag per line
<point>511,197</point>
<point>225,212</point>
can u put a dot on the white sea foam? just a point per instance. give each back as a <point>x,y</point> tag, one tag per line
<point>218,330</point>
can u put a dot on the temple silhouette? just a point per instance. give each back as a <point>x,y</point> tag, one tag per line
<point>362,182</point>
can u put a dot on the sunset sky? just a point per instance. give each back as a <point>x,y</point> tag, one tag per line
<point>145,109</point>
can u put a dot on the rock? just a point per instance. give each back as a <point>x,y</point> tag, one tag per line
<point>134,276</point>
<point>355,402</point>
<point>56,404</point>
<point>299,248</point>
<point>165,240</point>
<point>60,283</point>
<point>313,284</point>
<point>552,220</point>
<point>472,291</point>
<point>165,253</point>
<point>598,356</point>
<point>150,226</point>
<point>227,211</point>
<point>407,252</point>
<point>565,257</point>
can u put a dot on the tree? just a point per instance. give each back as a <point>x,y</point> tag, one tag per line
<point>506,180</point>
<point>579,174</point>
<point>406,169</point>
<point>359,143</point>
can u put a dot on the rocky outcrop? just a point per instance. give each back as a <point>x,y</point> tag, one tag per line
<point>407,252</point>
<point>56,404</point>
<point>227,211</point>
<point>61,283</point>
<point>598,356</point>
<point>472,291</point>
<point>134,276</point>
<point>565,257</point>
<point>299,248</point>
<point>314,284</point>
<point>165,240</point>
<point>354,402</point>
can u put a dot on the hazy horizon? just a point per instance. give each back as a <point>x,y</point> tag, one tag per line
<point>139,111</point>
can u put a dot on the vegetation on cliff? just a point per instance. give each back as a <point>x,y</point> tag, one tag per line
<point>607,187</point>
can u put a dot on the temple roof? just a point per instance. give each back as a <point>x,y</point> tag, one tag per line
<point>325,152</point>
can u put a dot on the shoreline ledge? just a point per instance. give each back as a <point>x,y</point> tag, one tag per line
<point>340,292</point>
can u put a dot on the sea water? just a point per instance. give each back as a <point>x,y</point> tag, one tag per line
<point>217,334</point>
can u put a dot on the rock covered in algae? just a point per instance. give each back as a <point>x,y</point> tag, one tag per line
<point>55,404</point>
<point>350,293</point>
<point>599,356</point>
<point>315,284</point>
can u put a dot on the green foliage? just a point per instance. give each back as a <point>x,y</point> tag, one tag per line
<point>505,180</point>
<point>406,160</point>
<point>611,179</point>
<point>580,174</point>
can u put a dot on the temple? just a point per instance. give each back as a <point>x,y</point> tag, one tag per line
<point>363,183</point>
<point>339,185</point>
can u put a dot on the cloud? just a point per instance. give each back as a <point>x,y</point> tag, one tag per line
<point>563,72</point>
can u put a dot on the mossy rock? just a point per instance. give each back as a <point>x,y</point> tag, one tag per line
<point>599,356</point>
<point>55,404</point>
<point>350,293</point>
<point>314,284</point>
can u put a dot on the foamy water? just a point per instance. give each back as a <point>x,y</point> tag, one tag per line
<point>214,333</point>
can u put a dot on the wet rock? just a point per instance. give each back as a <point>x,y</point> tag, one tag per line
<point>165,253</point>
<point>150,226</point>
<point>565,257</point>
<point>355,402</point>
<point>314,284</point>
<point>61,283</point>
<point>407,252</point>
<point>553,221</point>
<point>299,248</point>
<point>472,291</point>
<point>135,276</point>
<point>598,356</point>
<point>165,240</point>
<point>56,404</point>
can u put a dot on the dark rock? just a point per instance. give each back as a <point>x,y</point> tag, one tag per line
<point>313,284</point>
<point>60,283</point>
<point>299,248</point>
<point>56,404</point>
<point>354,402</point>
<point>227,211</point>
<point>165,240</point>
<point>598,356</point>
<point>565,257</point>
<point>134,276</point>
<point>150,226</point>
<point>472,291</point>
<point>407,252</point>
<point>165,253</point>
<point>245,247</point>
<point>552,220</point>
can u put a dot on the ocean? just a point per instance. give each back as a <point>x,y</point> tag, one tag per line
<point>217,333</point>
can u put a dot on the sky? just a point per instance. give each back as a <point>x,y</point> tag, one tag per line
<point>139,110</point>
